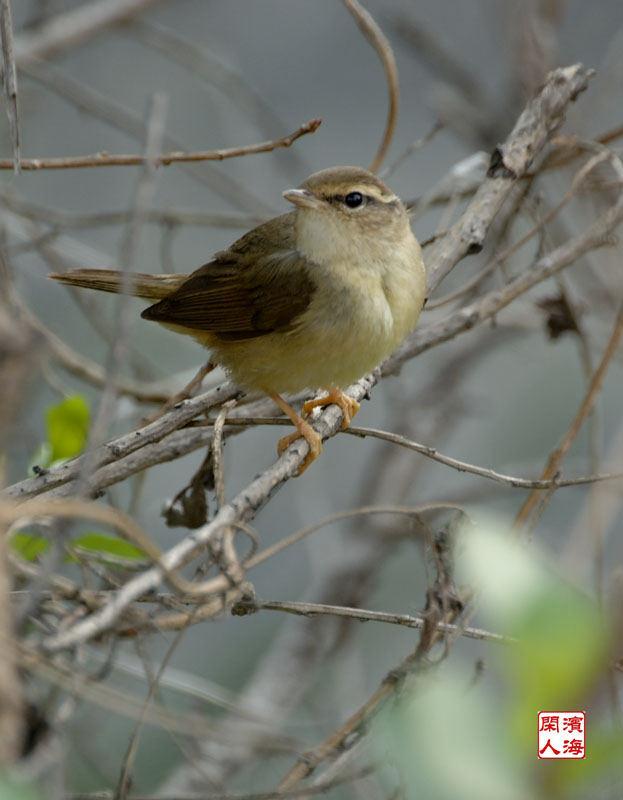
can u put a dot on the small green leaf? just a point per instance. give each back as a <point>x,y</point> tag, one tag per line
<point>28,546</point>
<point>67,427</point>
<point>102,544</point>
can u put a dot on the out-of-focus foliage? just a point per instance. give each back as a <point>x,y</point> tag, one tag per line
<point>455,738</point>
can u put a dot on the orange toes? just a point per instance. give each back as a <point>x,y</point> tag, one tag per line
<point>348,406</point>
<point>303,428</point>
<point>313,439</point>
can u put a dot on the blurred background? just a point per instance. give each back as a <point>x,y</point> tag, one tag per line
<point>502,396</point>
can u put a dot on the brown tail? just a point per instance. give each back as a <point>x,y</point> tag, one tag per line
<point>149,287</point>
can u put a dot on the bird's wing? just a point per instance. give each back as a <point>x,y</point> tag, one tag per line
<point>261,284</point>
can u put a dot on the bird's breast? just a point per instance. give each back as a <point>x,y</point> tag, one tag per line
<point>356,317</point>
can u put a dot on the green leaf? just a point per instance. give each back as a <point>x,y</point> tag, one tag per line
<point>101,544</point>
<point>29,546</point>
<point>67,427</point>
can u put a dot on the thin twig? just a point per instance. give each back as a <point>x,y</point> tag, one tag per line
<point>488,306</point>
<point>201,62</point>
<point>557,456</point>
<point>124,782</point>
<point>114,700</point>
<point>100,106</point>
<point>364,615</point>
<point>163,160</point>
<point>297,536</point>
<point>510,161</point>
<point>410,150</point>
<point>503,256</point>
<point>474,469</point>
<point>356,725</point>
<point>119,346</point>
<point>370,29</point>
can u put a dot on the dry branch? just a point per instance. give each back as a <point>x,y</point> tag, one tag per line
<point>510,162</point>
<point>10,77</point>
<point>122,446</point>
<point>100,106</point>
<point>163,160</point>
<point>378,40</point>
<point>363,615</point>
<point>557,457</point>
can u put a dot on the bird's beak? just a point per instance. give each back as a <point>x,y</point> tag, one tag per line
<point>304,199</point>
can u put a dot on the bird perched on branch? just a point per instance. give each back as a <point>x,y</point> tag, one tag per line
<point>313,298</point>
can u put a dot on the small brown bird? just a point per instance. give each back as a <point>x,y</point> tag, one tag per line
<point>313,298</point>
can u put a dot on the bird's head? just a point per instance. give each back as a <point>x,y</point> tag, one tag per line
<point>340,209</point>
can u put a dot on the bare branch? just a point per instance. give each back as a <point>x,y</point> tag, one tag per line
<point>510,161</point>
<point>122,446</point>
<point>464,466</point>
<point>201,61</point>
<point>379,41</point>
<point>10,77</point>
<point>363,615</point>
<point>354,727</point>
<point>163,160</point>
<point>100,106</point>
<point>486,307</point>
<point>561,451</point>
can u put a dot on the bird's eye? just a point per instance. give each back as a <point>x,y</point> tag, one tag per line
<point>354,199</point>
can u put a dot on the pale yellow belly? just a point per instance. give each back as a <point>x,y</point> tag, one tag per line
<point>338,339</point>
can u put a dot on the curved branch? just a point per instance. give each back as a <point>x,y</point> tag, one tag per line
<point>381,44</point>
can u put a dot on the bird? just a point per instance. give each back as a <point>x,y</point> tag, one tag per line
<point>313,298</point>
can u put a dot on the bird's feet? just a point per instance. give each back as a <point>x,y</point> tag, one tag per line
<point>304,429</point>
<point>348,406</point>
<point>313,439</point>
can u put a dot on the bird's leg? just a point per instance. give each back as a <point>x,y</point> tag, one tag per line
<point>348,406</point>
<point>303,428</point>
